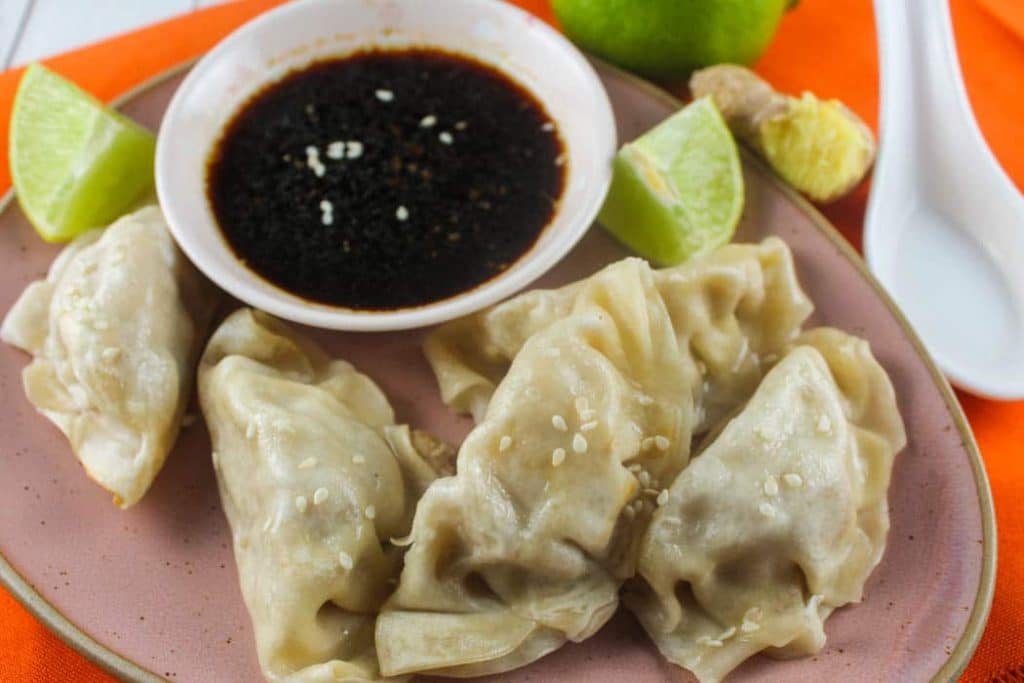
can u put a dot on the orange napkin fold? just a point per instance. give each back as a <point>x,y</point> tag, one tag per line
<point>990,34</point>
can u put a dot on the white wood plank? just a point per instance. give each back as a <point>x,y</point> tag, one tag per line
<point>13,14</point>
<point>56,26</point>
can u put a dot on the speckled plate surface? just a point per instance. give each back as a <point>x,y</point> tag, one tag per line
<point>152,592</point>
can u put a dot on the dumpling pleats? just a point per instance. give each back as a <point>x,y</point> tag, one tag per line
<point>115,330</point>
<point>733,312</point>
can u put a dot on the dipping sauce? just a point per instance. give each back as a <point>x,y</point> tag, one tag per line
<point>386,179</point>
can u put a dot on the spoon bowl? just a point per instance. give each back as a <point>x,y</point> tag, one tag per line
<point>944,231</point>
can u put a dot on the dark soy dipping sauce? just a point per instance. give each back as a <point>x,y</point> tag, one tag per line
<point>386,179</point>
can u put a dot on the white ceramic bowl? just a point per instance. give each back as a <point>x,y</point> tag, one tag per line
<point>291,36</point>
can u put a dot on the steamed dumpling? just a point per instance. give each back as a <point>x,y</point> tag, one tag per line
<point>115,329</point>
<point>734,311</point>
<point>315,479</point>
<point>588,398</point>
<point>780,520</point>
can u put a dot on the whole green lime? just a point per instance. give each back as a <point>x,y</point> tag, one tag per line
<point>667,39</point>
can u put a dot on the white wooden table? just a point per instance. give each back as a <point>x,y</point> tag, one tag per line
<point>33,29</point>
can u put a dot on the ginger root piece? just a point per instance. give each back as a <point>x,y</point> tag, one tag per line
<point>818,146</point>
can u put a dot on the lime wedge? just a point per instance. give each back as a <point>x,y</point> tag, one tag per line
<point>75,163</point>
<point>677,191</point>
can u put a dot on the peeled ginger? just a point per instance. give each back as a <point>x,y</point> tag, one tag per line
<point>819,147</point>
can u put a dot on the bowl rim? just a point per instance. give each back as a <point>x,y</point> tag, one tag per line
<point>565,230</point>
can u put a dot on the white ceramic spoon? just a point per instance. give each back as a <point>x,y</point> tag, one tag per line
<point>945,226</point>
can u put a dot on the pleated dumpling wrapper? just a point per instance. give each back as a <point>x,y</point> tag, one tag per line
<point>115,329</point>
<point>315,479</point>
<point>526,547</point>
<point>735,310</point>
<point>780,520</point>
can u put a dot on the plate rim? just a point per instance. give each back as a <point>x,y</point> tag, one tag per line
<point>78,639</point>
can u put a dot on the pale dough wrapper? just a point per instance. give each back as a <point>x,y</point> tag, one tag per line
<point>780,520</point>
<point>587,399</point>
<point>734,310</point>
<point>315,479</point>
<point>115,330</point>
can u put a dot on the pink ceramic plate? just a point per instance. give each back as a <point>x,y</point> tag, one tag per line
<point>152,592</point>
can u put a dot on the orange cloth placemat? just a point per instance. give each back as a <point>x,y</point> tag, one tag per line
<point>823,46</point>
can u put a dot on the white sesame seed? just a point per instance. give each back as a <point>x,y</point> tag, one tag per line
<point>766,509</point>
<point>336,150</point>
<point>708,641</point>
<point>557,457</point>
<point>753,614</point>
<point>727,633</point>
<point>250,429</point>
<point>267,524</point>
<point>824,424</point>
<point>428,121</point>
<point>461,125</point>
<point>647,443</point>
<point>313,161</point>
<point>662,497</point>
<point>301,503</point>
<point>326,206</point>
<point>445,137</point>
<point>635,468</point>
<point>587,426</point>
<point>793,480</point>
<point>359,458</point>
<point>111,353</point>
<point>307,463</point>
<point>645,478</point>
<point>644,400</point>
<point>548,127</point>
<point>579,443</point>
<point>504,443</point>
<point>661,443</point>
<point>635,427</point>
<point>588,414</point>
<point>552,352</point>
<point>320,495</point>
<point>401,542</point>
<point>370,512</point>
<point>385,95</point>
<point>353,149</point>
<point>558,422</point>
<point>749,626</point>
<point>345,560</point>
<point>402,213</point>
<point>771,486</point>
<point>327,219</point>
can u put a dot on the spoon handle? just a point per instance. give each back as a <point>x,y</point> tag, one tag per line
<point>923,102</point>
